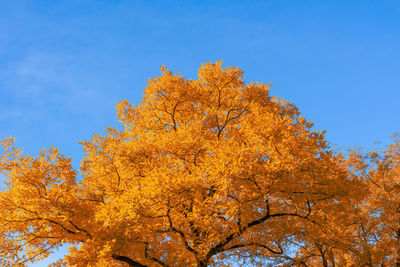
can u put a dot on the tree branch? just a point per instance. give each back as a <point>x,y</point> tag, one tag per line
<point>257,245</point>
<point>146,254</point>
<point>127,260</point>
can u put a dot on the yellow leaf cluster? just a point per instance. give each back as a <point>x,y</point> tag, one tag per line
<point>203,171</point>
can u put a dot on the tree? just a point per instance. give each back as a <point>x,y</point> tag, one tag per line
<point>203,170</point>
<point>372,217</point>
<point>378,239</point>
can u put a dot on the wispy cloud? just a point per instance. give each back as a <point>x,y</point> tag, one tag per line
<point>37,72</point>
<point>45,93</point>
<point>44,80</point>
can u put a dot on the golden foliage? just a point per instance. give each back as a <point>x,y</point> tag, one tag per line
<point>203,170</point>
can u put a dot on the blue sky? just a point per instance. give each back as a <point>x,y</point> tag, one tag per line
<point>65,64</point>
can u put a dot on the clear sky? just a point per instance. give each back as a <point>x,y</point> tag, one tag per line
<point>65,64</point>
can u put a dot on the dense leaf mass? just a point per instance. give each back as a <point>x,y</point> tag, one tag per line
<point>204,172</point>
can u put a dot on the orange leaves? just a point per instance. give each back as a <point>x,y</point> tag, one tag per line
<point>125,112</point>
<point>379,170</point>
<point>203,170</point>
<point>212,74</point>
<point>36,203</point>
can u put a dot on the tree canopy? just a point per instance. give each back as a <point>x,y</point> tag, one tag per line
<point>202,173</point>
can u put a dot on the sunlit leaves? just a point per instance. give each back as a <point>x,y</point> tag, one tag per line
<point>202,170</point>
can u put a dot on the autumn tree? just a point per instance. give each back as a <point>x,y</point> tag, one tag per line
<point>378,233</point>
<point>372,216</point>
<point>202,171</point>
